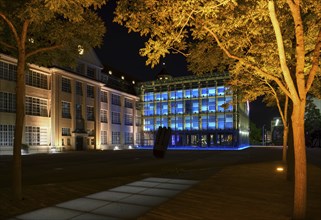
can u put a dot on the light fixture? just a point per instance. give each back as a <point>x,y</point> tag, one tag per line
<point>80,50</point>
<point>122,77</point>
<point>110,72</point>
<point>280,169</point>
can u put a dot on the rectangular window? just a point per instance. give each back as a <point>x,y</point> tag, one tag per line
<point>78,111</point>
<point>115,99</point>
<point>103,137</point>
<point>115,117</point>
<point>103,116</point>
<point>129,138</point>
<point>7,102</point>
<point>79,88</point>
<point>36,79</point>
<point>6,135</point>
<point>211,122</point>
<point>90,91</point>
<point>149,96</point>
<point>65,131</point>
<point>138,121</point>
<point>8,71</point>
<point>204,122</point>
<point>128,119</point>
<point>103,97</point>
<point>90,113</point>
<point>65,109</point>
<point>65,85</point>
<point>36,106</point>
<point>91,72</point>
<point>115,138</point>
<point>128,103</point>
<point>36,136</point>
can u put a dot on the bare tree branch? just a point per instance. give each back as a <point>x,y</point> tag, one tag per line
<point>40,50</point>
<point>315,62</point>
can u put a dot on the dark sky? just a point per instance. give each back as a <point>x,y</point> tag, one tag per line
<point>121,51</point>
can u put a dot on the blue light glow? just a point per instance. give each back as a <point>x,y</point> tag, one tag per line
<point>218,148</point>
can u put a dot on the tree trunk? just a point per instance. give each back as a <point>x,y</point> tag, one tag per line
<point>300,164</point>
<point>290,154</point>
<point>285,142</point>
<point>20,114</point>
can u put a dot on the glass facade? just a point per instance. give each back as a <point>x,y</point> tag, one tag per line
<point>201,113</point>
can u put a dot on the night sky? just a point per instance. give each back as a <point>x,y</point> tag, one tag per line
<point>121,51</point>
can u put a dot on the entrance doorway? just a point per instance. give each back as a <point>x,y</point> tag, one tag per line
<point>79,143</point>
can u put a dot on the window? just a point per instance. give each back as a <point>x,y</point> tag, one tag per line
<point>115,138</point>
<point>103,97</point>
<point>204,122</point>
<point>115,117</point>
<point>103,137</point>
<point>80,68</point>
<point>138,121</point>
<point>115,99</point>
<point>65,85</point>
<point>6,135</point>
<point>65,131</point>
<point>65,109</point>
<point>79,88</point>
<point>128,138</point>
<point>78,111</point>
<point>103,116</point>
<point>36,106</point>
<point>91,72</point>
<point>128,119</point>
<point>149,96</point>
<point>7,102</point>
<point>148,124</point>
<point>138,138</point>
<point>8,71</point>
<point>90,91</point>
<point>128,103</point>
<point>90,113</point>
<point>36,79</point>
<point>36,136</point>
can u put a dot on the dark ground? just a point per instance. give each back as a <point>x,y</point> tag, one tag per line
<point>235,178</point>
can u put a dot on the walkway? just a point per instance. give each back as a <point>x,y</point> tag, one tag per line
<point>124,202</point>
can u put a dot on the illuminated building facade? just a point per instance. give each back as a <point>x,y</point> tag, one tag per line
<point>70,109</point>
<point>199,110</point>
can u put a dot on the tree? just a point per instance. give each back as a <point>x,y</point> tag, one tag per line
<point>255,134</point>
<point>279,42</point>
<point>44,32</point>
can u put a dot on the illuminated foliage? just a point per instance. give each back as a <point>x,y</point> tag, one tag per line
<point>44,32</point>
<point>277,41</point>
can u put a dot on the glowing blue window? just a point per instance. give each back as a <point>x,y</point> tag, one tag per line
<point>194,93</point>
<point>179,123</point>
<point>157,96</point>
<point>228,100</point>
<point>179,107</point>
<point>211,91</point>
<point>146,108</point>
<point>204,107</point>
<point>195,123</point>
<point>187,93</point>
<point>148,124</point>
<point>158,122</point>
<point>188,106</point>
<point>165,122</point>
<point>204,92</point>
<point>173,123</point>
<point>173,107</point>
<point>211,104</point>
<point>150,109</point>
<point>195,106</point>
<point>211,122</point>
<point>188,123</point>
<point>179,94</point>
<point>229,121</point>
<point>172,95</point>
<point>164,96</point>
<point>220,90</point>
<point>149,96</point>
<point>204,122</point>
<point>220,121</point>
<point>220,102</point>
<point>158,108</point>
<point>164,109</point>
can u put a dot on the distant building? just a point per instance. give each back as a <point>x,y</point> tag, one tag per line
<point>199,110</point>
<point>71,109</point>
